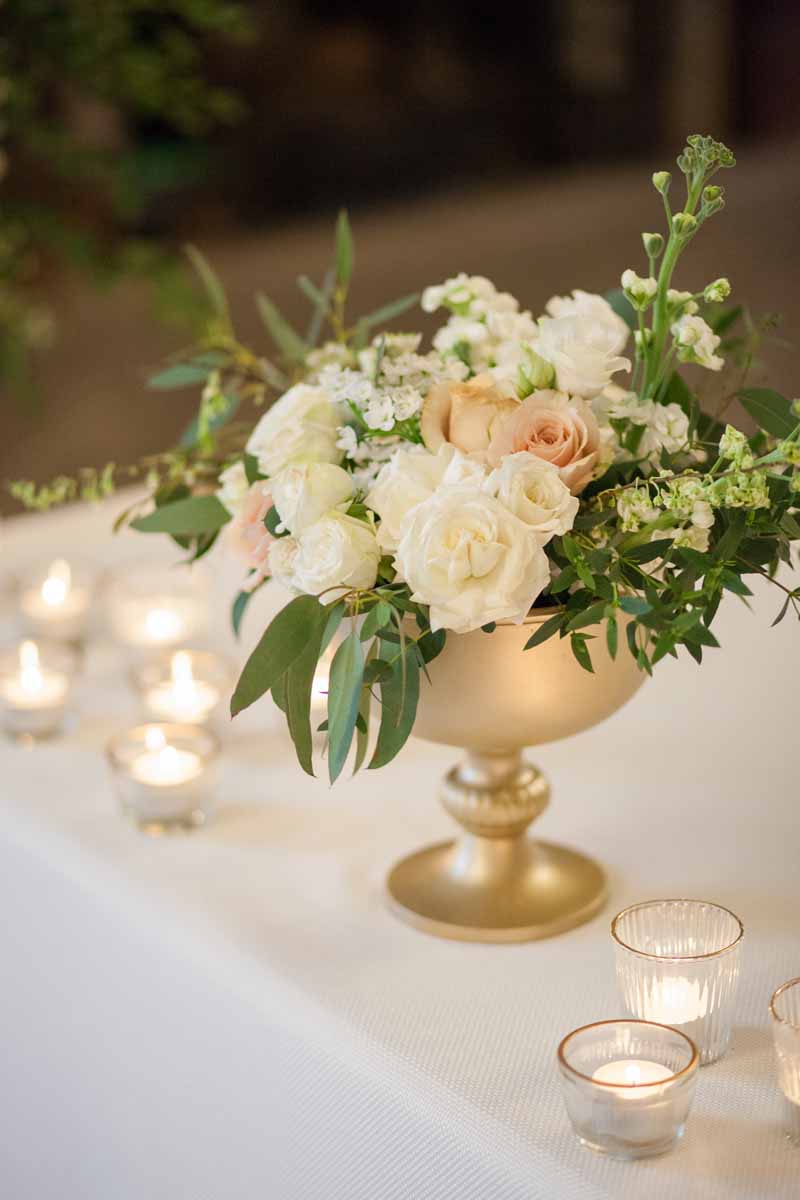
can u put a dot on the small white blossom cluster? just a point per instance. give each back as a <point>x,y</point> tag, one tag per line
<point>483,321</point>
<point>691,516</point>
<point>695,342</point>
<point>642,430</point>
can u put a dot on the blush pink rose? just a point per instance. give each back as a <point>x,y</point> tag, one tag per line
<point>559,428</point>
<point>249,536</point>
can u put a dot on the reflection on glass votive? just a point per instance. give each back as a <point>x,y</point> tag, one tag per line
<point>36,679</point>
<point>165,775</point>
<point>192,686</point>
<point>678,963</point>
<point>628,1086</point>
<point>155,607</point>
<point>55,601</point>
<point>785,1011</point>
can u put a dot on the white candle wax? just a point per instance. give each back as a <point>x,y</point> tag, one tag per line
<point>155,620</point>
<point>632,1073</point>
<point>677,1001</point>
<point>59,607</point>
<point>182,697</point>
<point>33,687</point>
<point>164,766</point>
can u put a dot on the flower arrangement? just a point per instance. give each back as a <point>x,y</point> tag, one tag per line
<point>410,494</point>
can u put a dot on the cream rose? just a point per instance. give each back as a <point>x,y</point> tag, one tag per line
<point>465,414</point>
<point>471,560</point>
<point>305,493</point>
<point>336,551</point>
<point>300,427</point>
<point>597,309</point>
<point>411,476</point>
<point>584,352</point>
<point>233,488</point>
<point>560,429</point>
<point>533,490</point>
<point>247,534</point>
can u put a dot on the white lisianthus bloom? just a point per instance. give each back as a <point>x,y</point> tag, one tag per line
<point>336,551</point>
<point>532,489</point>
<point>639,291</point>
<point>667,429</point>
<point>470,560</point>
<point>618,404</point>
<point>302,426</point>
<point>583,352</point>
<point>696,342</point>
<point>589,304</point>
<point>305,493</point>
<point>233,488</point>
<point>411,476</point>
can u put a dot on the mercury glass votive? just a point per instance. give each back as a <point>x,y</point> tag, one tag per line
<point>189,686</point>
<point>628,1086</point>
<point>785,1012</point>
<point>55,601</point>
<point>677,963</point>
<point>36,680</point>
<point>152,607</point>
<point>165,775</point>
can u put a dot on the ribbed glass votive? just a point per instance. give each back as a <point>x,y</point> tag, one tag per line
<point>628,1086</point>
<point>785,1011</point>
<point>678,963</point>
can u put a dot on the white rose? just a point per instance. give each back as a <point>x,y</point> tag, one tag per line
<point>233,488</point>
<point>588,304</point>
<point>337,551</point>
<point>411,476</point>
<point>696,342</point>
<point>471,560</point>
<point>300,427</point>
<point>305,493</point>
<point>282,556</point>
<point>584,352</point>
<point>533,490</point>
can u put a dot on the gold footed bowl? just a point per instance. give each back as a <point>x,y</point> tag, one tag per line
<point>495,883</point>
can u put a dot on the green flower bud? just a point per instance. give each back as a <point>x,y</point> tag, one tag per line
<point>796,407</point>
<point>661,181</point>
<point>712,193</point>
<point>534,373</point>
<point>717,291</point>
<point>684,223</point>
<point>653,244</point>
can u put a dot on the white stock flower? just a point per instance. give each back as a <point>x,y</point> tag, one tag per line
<point>639,291</point>
<point>667,428</point>
<point>583,351</point>
<point>307,492</point>
<point>696,342</point>
<point>533,490</point>
<point>470,560</point>
<point>589,304</point>
<point>336,551</point>
<point>411,476</point>
<point>681,302</point>
<point>233,488</point>
<point>717,292</point>
<point>302,426</point>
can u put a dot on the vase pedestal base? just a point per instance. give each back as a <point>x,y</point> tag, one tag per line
<point>480,889</point>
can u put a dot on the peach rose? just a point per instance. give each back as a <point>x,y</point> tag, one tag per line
<point>559,428</point>
<point>465,414</point>
<point>249,536</point>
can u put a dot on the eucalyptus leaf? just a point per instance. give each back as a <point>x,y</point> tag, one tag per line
<point>193,515</point>
<point>283,642</point>
<point>213,288</point>
<point>772,411</point>
<point>344,694</point>
<point>545,631</point>
<point>345,254</point>
<point>399,699</point>
<point>299,683</point>
<point>182,375</point>
<point>288,341</point>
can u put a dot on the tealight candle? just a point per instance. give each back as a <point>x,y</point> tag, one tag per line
<point>155,608</point>
<point>785,1013</point>
<point>186,686</point>
<point>164,775</point>
<point>628,1085</point>
<point>678,964</point>
<point>57,605</point>
<point>33,693</point>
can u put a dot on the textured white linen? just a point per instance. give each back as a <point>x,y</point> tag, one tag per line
<point>234,1015</point>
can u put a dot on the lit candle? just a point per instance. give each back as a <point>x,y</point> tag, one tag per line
<point>677,1001</point>
<point>56,607</point>
<point>33,696</point>
<point>632,1073</point>
<point>182,697</point>
<point>163,766</point>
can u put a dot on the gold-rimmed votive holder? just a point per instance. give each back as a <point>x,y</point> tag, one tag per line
<point>784,1010</point>
<point>55,601</point>
<point>628,1086</point>
<point>36,682</point>
<point>677,963</point>
<point>152,607</point>
<point>185,686</point>
<point>165,775</point>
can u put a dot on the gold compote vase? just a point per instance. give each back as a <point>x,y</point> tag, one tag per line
<point>496,883</point>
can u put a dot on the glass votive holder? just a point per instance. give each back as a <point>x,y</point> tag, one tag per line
<point>628,1086</point>
<point>785,1012</point>
<point>192,687</point>
<point>36,680</point>
<point>55,601</point>
<point>165,775</point>
<point>152,607</point>
<point>677,963</point>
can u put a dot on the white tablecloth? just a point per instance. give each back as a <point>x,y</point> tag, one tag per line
<point>235,1015</point>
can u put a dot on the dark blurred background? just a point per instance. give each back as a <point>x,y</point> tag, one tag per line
<point>516,141</point>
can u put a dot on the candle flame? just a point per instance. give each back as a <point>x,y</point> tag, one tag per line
<point>154,738</point>
<point>633,1074</point>
<point>58,583</point>
<point>30,673</point>
<point>162,624</point>
<point>181,668</point>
